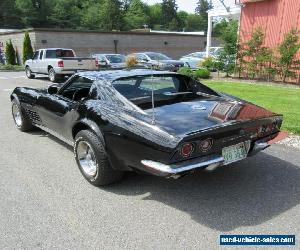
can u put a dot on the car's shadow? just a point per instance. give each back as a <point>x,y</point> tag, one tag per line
<point>244,194</point>
<point>46,79</point>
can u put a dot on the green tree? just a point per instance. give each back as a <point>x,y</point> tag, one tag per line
<point>194,23</point>
<point>10,53</point>
<point>35,13</point>
<point>182,20</point>
<point>18,59</point>
<point>288,49</point>
<point>202,7</point>
<point>229,38</point>
<point>61,18</point>
<point>255,51</point>
<point>169,12</point>
<point>174,25</point>
<point>91,14</point>
<point>155,15</point>
<point>135,16</point>
<point>219,27</point>
<point>9,15</point>
<point>111,15</point>
<point>27,48</point>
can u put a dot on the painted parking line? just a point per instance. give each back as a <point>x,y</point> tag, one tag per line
<point>3,78</point>
<point>7,90</point>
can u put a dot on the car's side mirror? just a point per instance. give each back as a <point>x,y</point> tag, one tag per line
<point>53,89</point>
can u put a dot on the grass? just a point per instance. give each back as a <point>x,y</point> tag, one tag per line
<point>11,67</point>
<point>279,99</point>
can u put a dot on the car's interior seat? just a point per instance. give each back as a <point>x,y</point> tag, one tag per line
<point>79,94</point>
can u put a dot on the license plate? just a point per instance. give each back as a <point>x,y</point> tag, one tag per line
<point>234,153</point>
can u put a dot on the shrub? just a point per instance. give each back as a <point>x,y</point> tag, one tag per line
<point>27,48</point>
<point>10,53</point>
<point>18,60</point>
<point>8,67</point>
<point>208,63</point>
<point>185,71</point>
<point>257,56</point>
<point>202,73</point>
<point>131,61</point>
<point>288,49</point>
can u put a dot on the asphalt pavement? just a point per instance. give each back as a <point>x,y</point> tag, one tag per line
<point>45,203</point>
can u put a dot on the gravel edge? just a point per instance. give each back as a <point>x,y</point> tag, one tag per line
<point>291,141</point>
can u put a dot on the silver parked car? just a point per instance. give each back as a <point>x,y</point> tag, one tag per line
<point>112,61</point>
<point>157,60</point>
<point>193,60</point>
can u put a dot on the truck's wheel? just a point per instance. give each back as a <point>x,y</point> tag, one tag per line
<point>29,73</point>
<point>21,121</point>
<point>92,160</point>
<point>52,75</point>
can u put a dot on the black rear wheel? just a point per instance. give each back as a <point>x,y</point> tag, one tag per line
<point>92,160</point>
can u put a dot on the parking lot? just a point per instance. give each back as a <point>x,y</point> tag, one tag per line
<point>47,204</point>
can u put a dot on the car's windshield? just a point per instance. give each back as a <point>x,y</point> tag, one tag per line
<point>59,53</point>
<point>166,89</point>
<point>157,56</point>
<point>116,58</point>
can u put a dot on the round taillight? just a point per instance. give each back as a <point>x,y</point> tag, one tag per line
<point>206,145</point>
<point>187,149</point>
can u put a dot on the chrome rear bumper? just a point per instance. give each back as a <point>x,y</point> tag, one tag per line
<point>178,169</point>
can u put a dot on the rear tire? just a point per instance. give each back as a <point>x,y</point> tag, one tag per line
<point>92,160</point>
<point>21,121</point>
<point>28,73</point>
<point>53,77</point>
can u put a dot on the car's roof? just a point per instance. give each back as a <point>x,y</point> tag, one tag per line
<point>147,52</point>
<point>112,75</point>
<point>56,49</point>
<point>110,54</point>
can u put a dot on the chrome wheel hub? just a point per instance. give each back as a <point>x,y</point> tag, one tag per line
<point>28,73</point>
<point>86,158</point>
<point>51,75</point>
<point>17,115</point>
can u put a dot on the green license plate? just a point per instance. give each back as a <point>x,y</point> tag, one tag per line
<point>234,153</point>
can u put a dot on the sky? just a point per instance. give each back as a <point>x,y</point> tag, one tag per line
<point>190,5</point>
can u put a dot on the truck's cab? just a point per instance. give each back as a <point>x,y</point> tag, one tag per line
<point>57,62</point>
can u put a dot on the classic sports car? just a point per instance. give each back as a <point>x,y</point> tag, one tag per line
<point>161,123</point>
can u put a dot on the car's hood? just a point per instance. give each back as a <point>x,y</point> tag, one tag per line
<point>187,117</point>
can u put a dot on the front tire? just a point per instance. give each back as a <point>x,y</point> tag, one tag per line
<point>92,160</point>
<point>21,121</point>
<point>28,73</point>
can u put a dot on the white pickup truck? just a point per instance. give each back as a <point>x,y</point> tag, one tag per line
<point>57,63</point>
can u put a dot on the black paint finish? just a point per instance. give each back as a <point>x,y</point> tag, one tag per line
<point>127,128</point>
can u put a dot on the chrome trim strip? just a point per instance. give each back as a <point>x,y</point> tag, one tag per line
<point>181,167</point>
<point>259,146</point>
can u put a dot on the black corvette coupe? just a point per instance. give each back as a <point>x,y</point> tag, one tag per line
<point>161,123</point>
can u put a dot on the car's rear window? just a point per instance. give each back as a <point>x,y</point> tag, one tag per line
<point>59,53</point>
<point>165,88</point>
